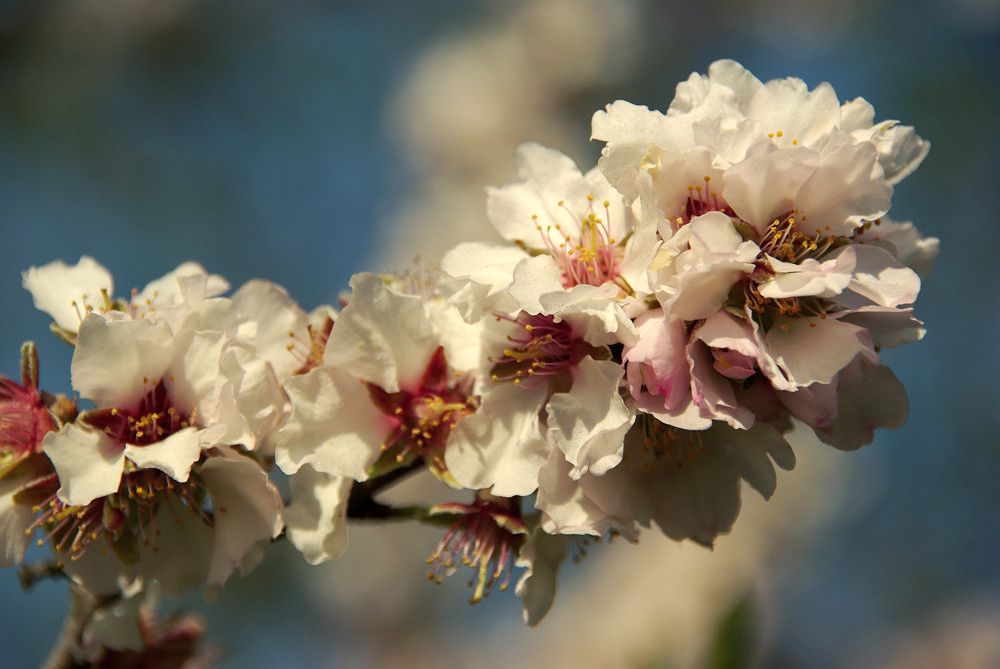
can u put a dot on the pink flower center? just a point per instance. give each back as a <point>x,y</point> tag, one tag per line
<point>589,258</point>
<point>123,518</point>
<point>424,416</point>
<point>543,347</point>
<point>127,515</point>
<point>154,419</point>
<point>701,200</point>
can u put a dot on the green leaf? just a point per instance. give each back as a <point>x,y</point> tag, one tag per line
<point>733,645</point>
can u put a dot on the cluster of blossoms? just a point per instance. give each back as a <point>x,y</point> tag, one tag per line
<point>641,346</point>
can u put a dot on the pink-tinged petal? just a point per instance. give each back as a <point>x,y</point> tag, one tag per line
<point>334,426</point>
<point>658,361</point>
<point>316,520</point>
<point>813,350</point>
<point>247,510</point>
<point>712,392</point>
<point>589,423</point>
<point>883,280</point>
<point>88,462</point>
<point>501,445</point>
<point>381,336</point>
<point>541,556</point>
<point>116,363</point>
<point>173,455</point>
<point>879,401</point>
<point>69,293</point>
<point>732,343</point>
<point>811,278</point>
<point>815,405</point>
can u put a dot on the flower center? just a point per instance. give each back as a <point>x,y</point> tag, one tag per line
<point>701,200</point>
<point>543,347</point>
<point>310,354</point>
<point>591,258</point>
<point>784,241</point>
<point>127,515</point>
<point>486,537</point>
<point>124,518</point>
<point>426,416</point>
<point>153,420</point>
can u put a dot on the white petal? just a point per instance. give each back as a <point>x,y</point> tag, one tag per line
<point>541,555</point>
<point>812,354</point>
<point>173,455</point>
<point>381,336</point>
<point>88,462</point>
<point>589,422</point>
<point>811,278</point>
<point>247,510</point>
<point>116,363</point>
<point>566,508</point>
<point>334,426</point>
<point>489,269</point>
<point>15,519</point>
<point>501,445</point>
<point>277,317</point>
<point>316,520</point>
<point>883,280</point>
<point>68,293</point>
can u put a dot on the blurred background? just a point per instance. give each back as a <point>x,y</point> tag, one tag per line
<point>304,141</point>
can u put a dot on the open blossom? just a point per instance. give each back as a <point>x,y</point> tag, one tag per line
<point>165,436</point>
<point>578,247</point>
<point>385,392</point>
<point>70,293</point>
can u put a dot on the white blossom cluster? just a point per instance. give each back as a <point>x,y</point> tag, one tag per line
<point>639,348</point>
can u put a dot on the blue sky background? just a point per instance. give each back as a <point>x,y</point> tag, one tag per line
<point>253,138</point>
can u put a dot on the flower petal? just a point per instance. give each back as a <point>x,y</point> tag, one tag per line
<point>88,462</point>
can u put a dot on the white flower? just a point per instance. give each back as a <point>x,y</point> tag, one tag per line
<point>69,294</point>
<point>169,407</point>
<point>580,248</point>
<point>546,378</point>
<point>385,387</point>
